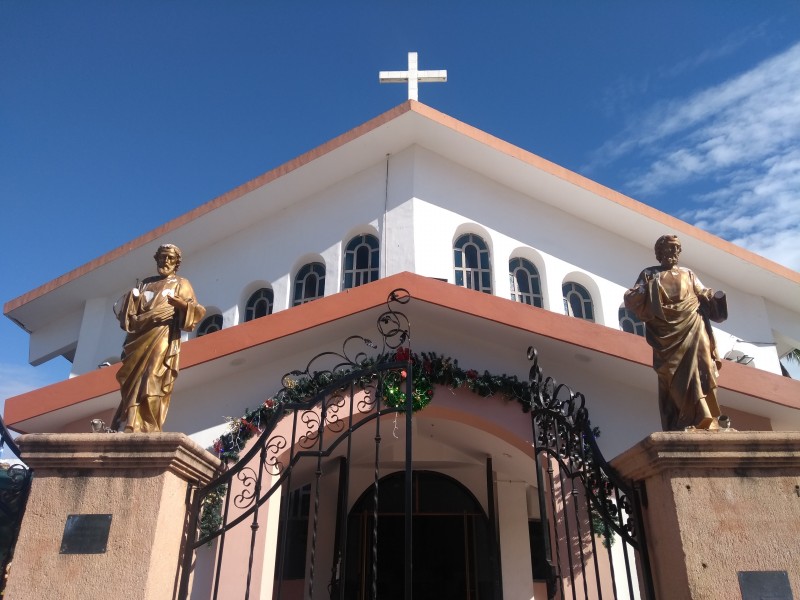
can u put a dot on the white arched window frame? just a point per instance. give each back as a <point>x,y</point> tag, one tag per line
<point>630,322</point>
<point>526,286</point>
<point>577,301</point>
<point>210,324</point>
<point>361,261</point>
<point>259,304</point>
<point>473,266</point>
<point>309,283</point>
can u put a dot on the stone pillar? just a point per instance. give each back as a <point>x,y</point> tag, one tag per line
<point>719,504</point>
<point>141,480</point>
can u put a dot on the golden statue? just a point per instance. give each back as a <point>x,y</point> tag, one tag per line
<point>153,315</point>
<point>676,309</point>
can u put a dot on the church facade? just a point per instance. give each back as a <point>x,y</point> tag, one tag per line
<point>498,249</point>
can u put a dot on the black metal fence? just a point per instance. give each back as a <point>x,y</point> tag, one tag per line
<point>595,546</point>
<point>15,483</point>
<point>315,417</point>
<point>335,409</point>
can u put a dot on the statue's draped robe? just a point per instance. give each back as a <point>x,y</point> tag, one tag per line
<point>150,354</point>
<point>684,352</point>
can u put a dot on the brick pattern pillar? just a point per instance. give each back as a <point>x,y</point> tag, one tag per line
<point>142,480</point>
<point>718,503</point>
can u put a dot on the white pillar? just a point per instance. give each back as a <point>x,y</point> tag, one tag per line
<point>512,510</point>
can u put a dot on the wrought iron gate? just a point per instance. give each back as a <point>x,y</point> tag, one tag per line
<point>15,483</point>
<point>312,419</point>
<point>595,545</point>
<point>593,529</point>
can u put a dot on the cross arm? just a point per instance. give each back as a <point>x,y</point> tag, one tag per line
<point>433,75</point>
<point>393,76</point>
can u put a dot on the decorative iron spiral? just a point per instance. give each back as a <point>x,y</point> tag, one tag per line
<point>562,430</point>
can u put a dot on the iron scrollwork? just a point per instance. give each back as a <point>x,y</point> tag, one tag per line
<point>562,430</point>
<point>15,482</point>
<point>564,439</point>
<point>318,401</point>
<point>395,331</point>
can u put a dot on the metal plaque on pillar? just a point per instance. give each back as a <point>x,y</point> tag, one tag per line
<point>86,534</point>
<point>763,585</point>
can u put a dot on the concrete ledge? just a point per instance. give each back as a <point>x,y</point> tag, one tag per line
<point>172,452</point>
<point>662,451</point>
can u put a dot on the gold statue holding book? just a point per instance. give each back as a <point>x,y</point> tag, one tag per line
<point>676,309</point>
<point>153,314</point>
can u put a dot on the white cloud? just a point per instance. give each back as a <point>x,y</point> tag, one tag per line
<point>759,209</point>
<point>741,138</point>
<point>726,48</point>
<point>623,93</point>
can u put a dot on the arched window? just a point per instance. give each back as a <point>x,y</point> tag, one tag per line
<point>209,325</point>
<point>361,258</point>
<point>473,268</point>
<point>259,304</point>
<point>309,283</point>
<point>630,322</point>
<point>577,301</point>
<point>525,284</point>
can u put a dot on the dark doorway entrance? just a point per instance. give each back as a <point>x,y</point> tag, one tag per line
<point>450,542</point>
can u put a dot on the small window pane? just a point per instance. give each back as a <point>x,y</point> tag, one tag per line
<point>630,323</point>
<point>361,261</point>
<point>472,263</point>
<point>209,325</point>
<point>259,304</point>
<point>309,283</point>
<point>524,280</point>
<point>577,301</point>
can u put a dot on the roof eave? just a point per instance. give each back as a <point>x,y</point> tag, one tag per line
<point>569,331</point>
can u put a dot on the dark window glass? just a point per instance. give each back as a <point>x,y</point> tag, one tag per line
<point>361,261</point>
<point>296,525</point>
<point>472,263</point>
<point>630,322</point>
<point>577,301</point>
<point>309,283</point>
<point>259,304</point>
<point>209,325</point>
<point>525,284</point>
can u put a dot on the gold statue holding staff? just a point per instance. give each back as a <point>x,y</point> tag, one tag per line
<point>153,314</point>
<point>676,308</point>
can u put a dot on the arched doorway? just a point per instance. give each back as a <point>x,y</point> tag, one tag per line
<point>451,542</point>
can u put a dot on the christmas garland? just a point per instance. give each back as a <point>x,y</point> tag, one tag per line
<point>428,369</point>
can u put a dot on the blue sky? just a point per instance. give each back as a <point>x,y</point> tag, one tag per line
<point>117,116</point>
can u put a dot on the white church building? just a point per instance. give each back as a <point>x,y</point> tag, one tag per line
<point>499,250</point>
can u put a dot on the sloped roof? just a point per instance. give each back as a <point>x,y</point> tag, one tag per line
<point>407,124</point>
<point>484,316</point>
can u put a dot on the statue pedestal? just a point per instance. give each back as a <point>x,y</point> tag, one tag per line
<point>141,480</point>
<point>722,512</point>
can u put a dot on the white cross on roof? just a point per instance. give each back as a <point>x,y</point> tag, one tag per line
<point>412,76</point>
